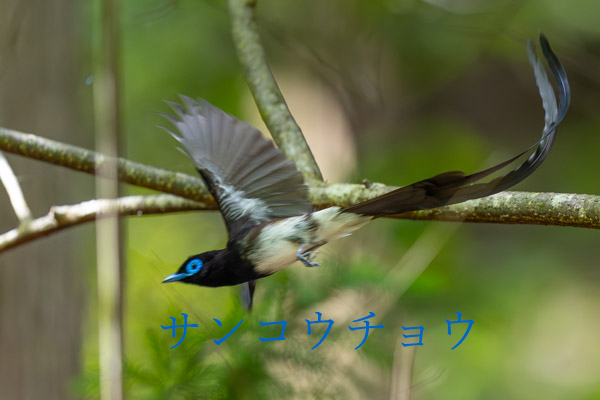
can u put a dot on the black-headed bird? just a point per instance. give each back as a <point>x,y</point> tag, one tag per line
<point>264,200</point>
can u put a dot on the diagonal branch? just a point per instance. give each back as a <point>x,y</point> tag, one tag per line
<point>268,97</point>
<point>578,210</point>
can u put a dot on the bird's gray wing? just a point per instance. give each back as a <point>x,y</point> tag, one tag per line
<point>251,180</point>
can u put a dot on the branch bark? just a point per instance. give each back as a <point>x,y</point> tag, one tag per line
<point>84,160</point>
<point>63,217</point>
<point>266,93</point>
<point>578,210</point>
<point>559,209</point>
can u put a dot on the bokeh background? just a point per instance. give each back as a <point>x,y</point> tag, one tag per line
<point>389,90</point>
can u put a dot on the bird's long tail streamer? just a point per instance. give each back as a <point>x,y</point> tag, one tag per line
<point>455,187</point>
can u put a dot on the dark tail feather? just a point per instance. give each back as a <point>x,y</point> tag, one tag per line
<point>247,294</point>
<point>456,187</point>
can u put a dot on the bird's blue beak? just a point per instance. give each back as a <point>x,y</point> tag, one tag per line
<point>175,277</point>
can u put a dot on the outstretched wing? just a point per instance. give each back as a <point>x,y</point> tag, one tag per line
<point>252,181</point>
<point>455,187</point>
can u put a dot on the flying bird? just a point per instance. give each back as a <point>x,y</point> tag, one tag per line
<point>264,200</point>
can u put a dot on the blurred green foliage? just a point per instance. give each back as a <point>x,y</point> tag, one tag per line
<point>427,86</point>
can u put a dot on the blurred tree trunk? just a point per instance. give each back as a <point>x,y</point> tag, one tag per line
<point>41,284</point>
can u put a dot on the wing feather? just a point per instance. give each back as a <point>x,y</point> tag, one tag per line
<point>252,181</point>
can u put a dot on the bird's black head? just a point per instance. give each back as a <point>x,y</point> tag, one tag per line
<point>215,268</point>
<point>196,269</point>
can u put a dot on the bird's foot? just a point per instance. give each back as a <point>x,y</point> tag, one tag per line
<point>306,257</point>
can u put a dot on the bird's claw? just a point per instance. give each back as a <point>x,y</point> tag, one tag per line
<point>306,257</point>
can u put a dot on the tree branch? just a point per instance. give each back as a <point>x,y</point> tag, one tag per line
<point>15,194</point>
<point>88,161</point>
<point>506,207</point>
<point>577,210</point>
<point>558,209</point>
<point>62,217</point>
<point>268,97</point>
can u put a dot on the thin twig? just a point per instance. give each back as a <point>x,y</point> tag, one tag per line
<point>15,194</point>
<point>268,97</point>
<point>62,217</point>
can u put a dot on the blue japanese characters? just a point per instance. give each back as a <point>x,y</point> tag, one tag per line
<point>319,320</point>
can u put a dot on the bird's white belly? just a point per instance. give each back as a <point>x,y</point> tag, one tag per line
<point>277,244</point>
<point>278,255</point>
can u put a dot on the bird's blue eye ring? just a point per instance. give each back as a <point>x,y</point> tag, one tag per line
<point>193,266</point>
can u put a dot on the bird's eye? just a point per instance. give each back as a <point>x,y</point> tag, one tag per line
<point>193,266</point>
